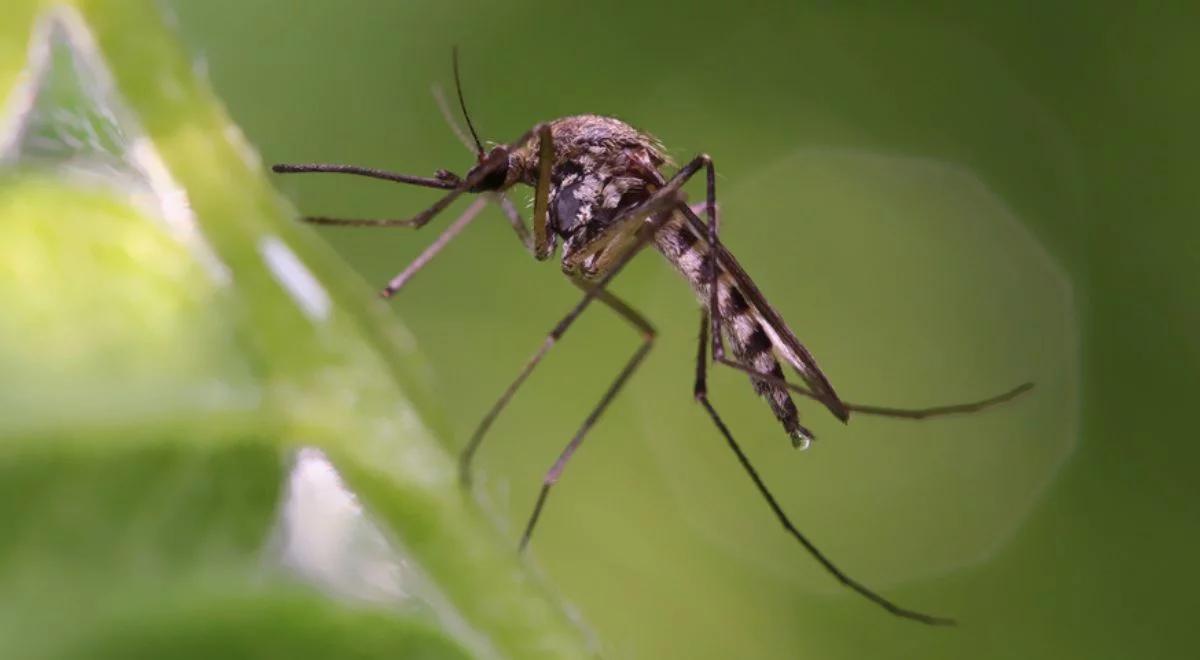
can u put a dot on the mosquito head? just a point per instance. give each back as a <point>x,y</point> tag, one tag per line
<point>496,164</point>
<point>496,159</point>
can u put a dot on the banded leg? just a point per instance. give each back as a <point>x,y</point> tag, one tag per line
<point>552,476</point>
<point>700,391</point>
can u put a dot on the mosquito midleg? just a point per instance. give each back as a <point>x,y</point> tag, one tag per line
<point>700,391</point>
<point>887,411</point>
<point>556,470</point>
<point>592,292</point>
<point>657,207</point>
<point>435,247</point>
<point>468,452</point>
<point>552,476</point>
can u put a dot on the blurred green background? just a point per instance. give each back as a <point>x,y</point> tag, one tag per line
<point>943,200</point>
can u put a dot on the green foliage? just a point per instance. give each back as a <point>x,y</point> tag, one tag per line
<point>162,364</point>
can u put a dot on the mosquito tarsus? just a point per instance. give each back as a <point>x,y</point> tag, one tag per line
<point>599,190</point>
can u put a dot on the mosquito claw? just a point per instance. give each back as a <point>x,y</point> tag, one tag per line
<point>447,176</point>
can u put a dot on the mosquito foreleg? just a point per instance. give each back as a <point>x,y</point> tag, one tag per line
<point>446,181</point>
<point>434,248</point>
<point>543,238</point>
<point>461,223</point>
<point>440,182</point>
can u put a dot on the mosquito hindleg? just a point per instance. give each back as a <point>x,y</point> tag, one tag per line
<point>888,411</point>
<point>790,349</point>
<point>700,390</point>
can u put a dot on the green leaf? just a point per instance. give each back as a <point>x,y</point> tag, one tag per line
<point>170,340</point>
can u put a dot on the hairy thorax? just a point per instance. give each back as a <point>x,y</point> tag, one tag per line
<point>602,167</point>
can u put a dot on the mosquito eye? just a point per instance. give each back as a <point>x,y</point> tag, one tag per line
<point>493,180</point>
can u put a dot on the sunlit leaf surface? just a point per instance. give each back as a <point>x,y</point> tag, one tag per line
<point>204,450</point>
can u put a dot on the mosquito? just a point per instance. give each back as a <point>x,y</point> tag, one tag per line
<point>599,189</point>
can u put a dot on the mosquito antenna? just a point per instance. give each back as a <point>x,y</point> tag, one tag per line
<point>447,114</point>
<point>462,103</point>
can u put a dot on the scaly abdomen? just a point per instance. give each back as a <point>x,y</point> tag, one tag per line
<point>746,336</point>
